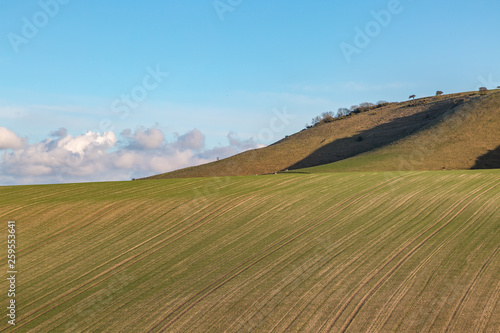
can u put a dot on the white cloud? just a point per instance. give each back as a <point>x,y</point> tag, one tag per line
<point>87,142</point>
<point>102,156</point>
<point>235,146</point>
<point>9,139</point>
<point>191,140</point>
<point>61,132</point>
<point>150,138</point>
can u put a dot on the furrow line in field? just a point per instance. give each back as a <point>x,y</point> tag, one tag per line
<point>60,287</point>
<point>261,190</point>
<point>488,310</point>
<point>268,189</point>
<point>63,286</point>
<point>146,282</point>
<point>218,210</point>
<point>441,304</point>
<point>221,244</point>
<point>126,261</point>
<point>470,288</point>
<point>386,311</point>
<point>253,260</point>
<point>270,266</point>
<point>436,276</point>
<point>99,213</point>
<point>339,269</point>
<point>286,282</point>
<point>313,181</point>
<point>25,208</point>
<point>14,210</point>
<point>156,187</point>
<point>405,258</point>
<point>341,243</point>
<point>398,251</point>
<point>55,193</point>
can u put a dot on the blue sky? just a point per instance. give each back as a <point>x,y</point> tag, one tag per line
<point>232,67</point>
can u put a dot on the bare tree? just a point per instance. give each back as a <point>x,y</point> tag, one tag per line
<point>412,97</point>
<point>316,120</point>
<point>328,114</point>
<point>367,105</point>
<point>342,112</point>
<point>439,93</point>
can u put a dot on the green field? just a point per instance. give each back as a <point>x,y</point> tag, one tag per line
<point>355,252</point>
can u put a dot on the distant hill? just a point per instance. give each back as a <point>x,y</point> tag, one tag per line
<point>456,131</point>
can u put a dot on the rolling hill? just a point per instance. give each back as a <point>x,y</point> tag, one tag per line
<point>309,250</point>
<point>457,131</point>
<point>320,252</point>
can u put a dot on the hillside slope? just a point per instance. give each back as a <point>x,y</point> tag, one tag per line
<point>362,133</point>
<point>332,252</point>
<point>466,138</point>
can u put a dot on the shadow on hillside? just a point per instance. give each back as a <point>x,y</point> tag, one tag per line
<point>377,137</point>
<point>490,160</point>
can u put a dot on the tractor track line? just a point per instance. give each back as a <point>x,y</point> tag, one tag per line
<point>405,285</point>
<point>307,228</point>
<point>263,189</point>
<point>339,270</point>
<point>258,275</point>
<point>399,251</point>
<point>469,289</point>
<point>101,212</point>
<point>360,252</point>
<point>488,310</point>
<point>126,261</point>
<point>408,255</point>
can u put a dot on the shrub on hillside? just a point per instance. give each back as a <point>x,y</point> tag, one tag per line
<point>367,105</point>
<point>327,117</point>
<point>363,107</point>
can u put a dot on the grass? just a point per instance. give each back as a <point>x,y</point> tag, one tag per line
<point>455,132</point>
<point>468,138</point>
<point>371,251</point>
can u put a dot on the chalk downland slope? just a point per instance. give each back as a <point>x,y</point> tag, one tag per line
<point>450,131</point>
<point>467,137</point>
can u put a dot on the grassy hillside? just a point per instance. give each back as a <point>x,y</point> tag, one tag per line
<point>381,252</point>
<point>450,131</point>
<point>466,138</point>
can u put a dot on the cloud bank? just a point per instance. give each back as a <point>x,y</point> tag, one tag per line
<point>63,158</point>
<point>9,139</point>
